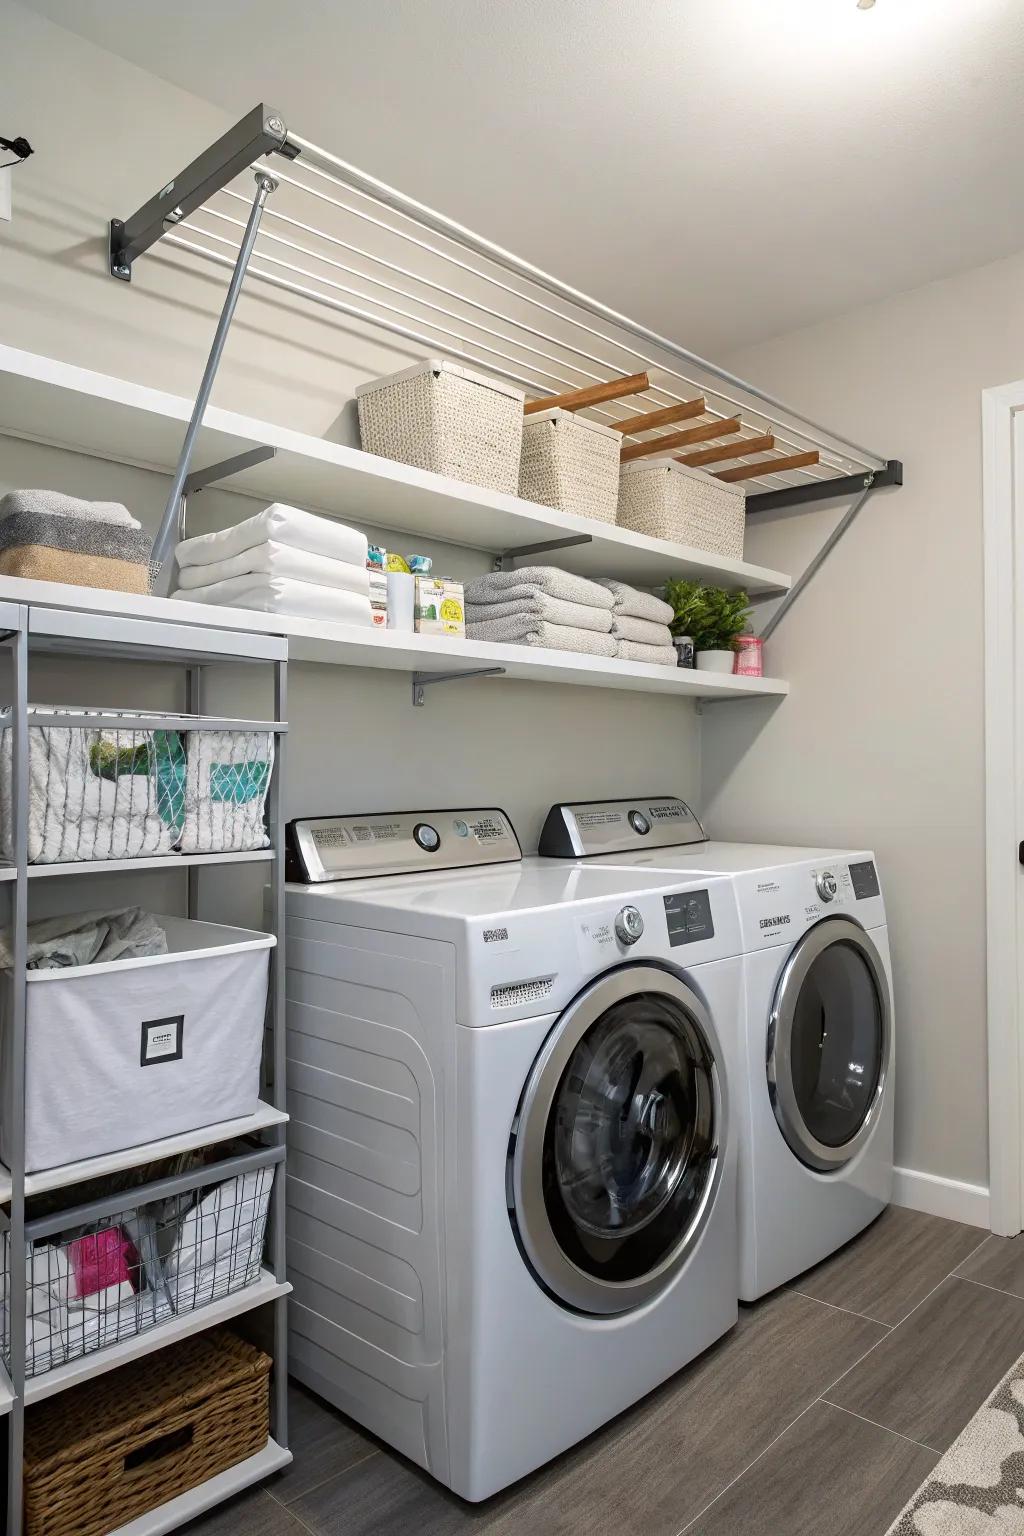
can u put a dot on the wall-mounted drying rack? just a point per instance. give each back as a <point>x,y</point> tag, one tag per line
<point>325,231</point>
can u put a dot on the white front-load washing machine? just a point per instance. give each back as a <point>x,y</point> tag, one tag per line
<point>511,1172</point>
<point>813,1083</point>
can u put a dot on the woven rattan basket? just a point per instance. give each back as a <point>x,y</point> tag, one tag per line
<point>571,463</point>
<point>100,1455</point>
<point>441,417</point>
<point>667,500</point>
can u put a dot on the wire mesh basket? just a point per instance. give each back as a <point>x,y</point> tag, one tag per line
<point>94,1280</point>
<point>102,786</point>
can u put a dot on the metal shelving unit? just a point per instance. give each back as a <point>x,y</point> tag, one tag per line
<point>26,630</point>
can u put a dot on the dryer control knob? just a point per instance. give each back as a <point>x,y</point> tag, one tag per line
<point>827,885</point>
<point>629,925</point>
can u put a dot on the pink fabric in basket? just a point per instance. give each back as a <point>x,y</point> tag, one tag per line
<point>100,1260</point>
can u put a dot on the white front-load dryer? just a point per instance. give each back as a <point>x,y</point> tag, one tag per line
<point>813,1079</point>
<point>511,1177</point>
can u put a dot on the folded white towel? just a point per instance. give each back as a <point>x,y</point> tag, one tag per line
<point>655,655</point>
<point>529,631</point>
<point>273,559</point>
<point>625,627</point>
<point>283,525</point>
<point>276,594</point>
<point>553,610</point>
<point>521,585</point>
<point>639,605</point>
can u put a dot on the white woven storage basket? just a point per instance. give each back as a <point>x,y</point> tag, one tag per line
<point>570,463</point>
<point>667,500</point>
<point>445,418</point>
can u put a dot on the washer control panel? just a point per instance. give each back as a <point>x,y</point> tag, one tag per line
<point>618,826</point>
<point>325,848</point>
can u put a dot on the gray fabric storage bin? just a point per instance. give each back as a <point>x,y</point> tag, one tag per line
<point>134,1051</point>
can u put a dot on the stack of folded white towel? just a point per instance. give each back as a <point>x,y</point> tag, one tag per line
<point>540,605</point>
<point>281,561</point>
<point>640,625</point>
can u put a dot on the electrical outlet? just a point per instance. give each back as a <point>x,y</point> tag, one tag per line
<point>5,193</point>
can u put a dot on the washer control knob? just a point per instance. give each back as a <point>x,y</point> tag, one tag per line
<point>426,837</point>
<point>629,925</point>
<point>827,885</point>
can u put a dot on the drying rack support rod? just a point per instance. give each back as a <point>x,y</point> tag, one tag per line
<point>421,681</point>
<point>507,561</point>
<point>807,576</point>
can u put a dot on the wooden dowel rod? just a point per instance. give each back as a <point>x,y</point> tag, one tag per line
<point>594,394</point>
<point>647,421</point>
<point>769,466</point>
<point>734,450</point>
<point>670,440</point>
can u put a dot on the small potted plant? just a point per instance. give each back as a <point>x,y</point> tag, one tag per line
<point>714,618</point>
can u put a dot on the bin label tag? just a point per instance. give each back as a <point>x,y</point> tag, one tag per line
<point>162,1040</point>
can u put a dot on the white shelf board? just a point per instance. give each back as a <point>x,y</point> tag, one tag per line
<point>67,1174</point>
<point>86,1367</point>
<point>56,403</point>
<point>176,1512</point>
<point>158,861</point>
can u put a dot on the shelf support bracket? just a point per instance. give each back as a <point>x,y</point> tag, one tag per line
<point>808,575</point>
<point>199,479</point>
<point>421,681</point>
<point>507,561</point>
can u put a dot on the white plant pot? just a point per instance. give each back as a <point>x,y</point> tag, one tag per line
<point>715,661</point>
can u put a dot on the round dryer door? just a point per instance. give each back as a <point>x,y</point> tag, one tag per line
<point>614,1159</point>
<point>829,1044</point>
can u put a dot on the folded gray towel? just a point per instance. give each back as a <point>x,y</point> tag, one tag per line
<point>625,627</point>
<point>529,631</point>
<point>520,585</point>
<point>552,610</point>
<point>656,655</point>
<point>56,504</point>
<point>76,536</point>
<point>638,605</point>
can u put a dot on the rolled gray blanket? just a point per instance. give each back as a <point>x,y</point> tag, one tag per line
<point>551,610</point>
<point>77,536</point>
<point>521,585</point>
<point>624,627</point>
<point>56,504</point>
<point>525,630</point>
<point>656,655</point>
<point>638,605</point>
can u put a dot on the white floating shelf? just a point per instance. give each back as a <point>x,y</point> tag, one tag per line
<point>56,403</point>
<point>158,861</point>
<point>134,1157</point>
<point>86,1367</point>
<point>177,1512</point>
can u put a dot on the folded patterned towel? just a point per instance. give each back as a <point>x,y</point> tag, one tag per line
<point>283,525</point>
<point>520,585</point>
<point>530,631</point>
<point>56,504</point>
<point>86,552</point>
<point>276,594</point>
<point>639,605</point>
<point>625,627</point>
<point>273,559</point>
<point>552,610</point>
<point>657,655</point>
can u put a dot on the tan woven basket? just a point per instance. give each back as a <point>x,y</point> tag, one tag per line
<point>671,501</point>
<point>570,463</point>
<point>441,417</point>
<point>110,1450</point>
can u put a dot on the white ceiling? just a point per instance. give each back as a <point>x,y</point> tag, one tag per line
<point>725,170</point>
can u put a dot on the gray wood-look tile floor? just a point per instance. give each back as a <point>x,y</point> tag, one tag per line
<point>823,1410</point>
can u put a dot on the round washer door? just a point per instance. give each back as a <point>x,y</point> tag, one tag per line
<point>615,1160</point>
<point>829,1044</point>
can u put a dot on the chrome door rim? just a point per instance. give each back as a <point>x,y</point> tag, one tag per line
<point>817,1154</point>
<point>568,1283</point>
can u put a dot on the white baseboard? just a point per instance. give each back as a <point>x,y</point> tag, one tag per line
<point>927,1192</point>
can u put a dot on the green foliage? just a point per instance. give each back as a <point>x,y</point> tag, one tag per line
<point>712,617</point>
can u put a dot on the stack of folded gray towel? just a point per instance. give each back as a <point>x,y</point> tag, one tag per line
<point>640,625</point>
<point>539,605</point>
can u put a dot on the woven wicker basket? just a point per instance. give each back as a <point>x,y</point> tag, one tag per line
<point>671,501</point>
<point>104,1453</point>
<point>441,417</point>
<point>571,463</point>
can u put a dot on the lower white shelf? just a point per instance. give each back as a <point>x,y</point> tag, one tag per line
<point>175,1513</point>
<point>265,1289</point>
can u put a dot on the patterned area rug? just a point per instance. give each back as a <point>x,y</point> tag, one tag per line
<point>977,1489</point>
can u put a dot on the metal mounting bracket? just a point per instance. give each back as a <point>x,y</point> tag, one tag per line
<point>421,681</point>
<point>507,561</point>
<point>199,479</point>
<point>826,490</point>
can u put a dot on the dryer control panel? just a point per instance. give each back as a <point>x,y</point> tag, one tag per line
<point>322,848</point>
<point>618,826</point>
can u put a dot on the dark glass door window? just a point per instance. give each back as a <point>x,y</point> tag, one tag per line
<point>836,1044</point>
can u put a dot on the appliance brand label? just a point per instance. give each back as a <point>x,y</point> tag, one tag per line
<point>778,921</point>
<point>495,935</point>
